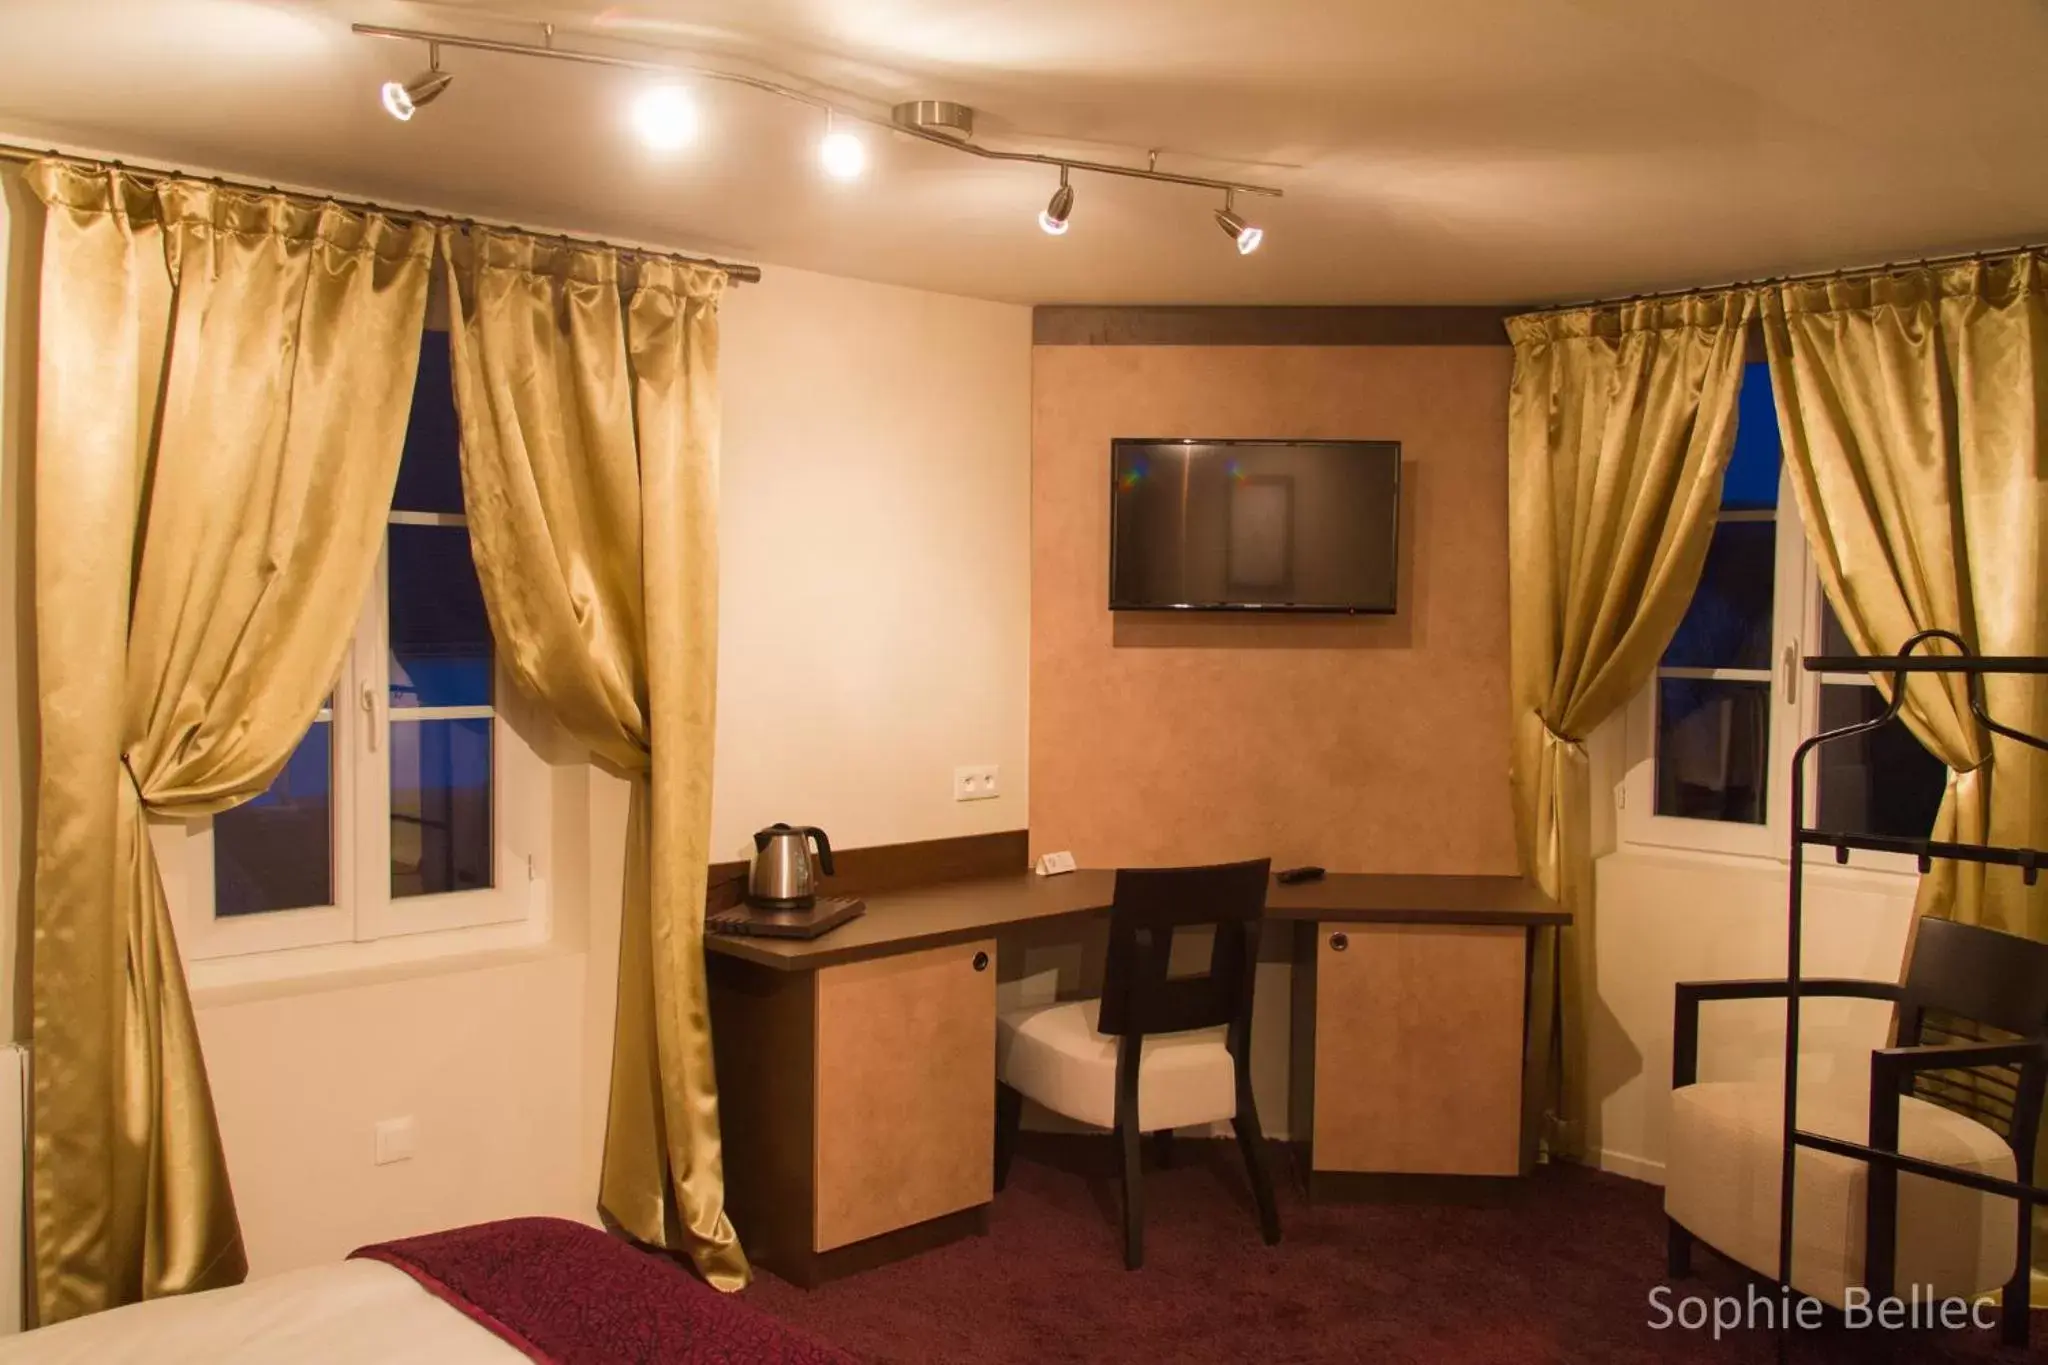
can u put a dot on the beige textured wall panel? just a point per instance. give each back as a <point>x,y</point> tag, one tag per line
<point>1363,744</point>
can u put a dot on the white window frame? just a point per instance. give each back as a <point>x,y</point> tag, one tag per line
<point>1793,713</point>
<point>512,910</point>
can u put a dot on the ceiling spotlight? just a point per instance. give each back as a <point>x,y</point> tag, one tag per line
<point>1246,235</point>
<point>402,99</point>
<point>665,117</point>
<point>843,155</point>
<point>1053,217</point>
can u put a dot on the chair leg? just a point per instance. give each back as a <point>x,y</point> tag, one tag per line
<point>1129,1055</point>
<point>1162,1149</point>
<point>1009,1118</point>
<point>1677,1249</point>
<point>1134,1199</point>
<point>1252,1143</point>
<point>2013,1311</point>
<point>2016,1309</point>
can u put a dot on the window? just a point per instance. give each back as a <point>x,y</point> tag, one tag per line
<point>409,805</point>
<point>1711,740</point>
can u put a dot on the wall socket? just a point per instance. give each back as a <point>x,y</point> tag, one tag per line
<point>978,783</point>
<point>397,1140</point>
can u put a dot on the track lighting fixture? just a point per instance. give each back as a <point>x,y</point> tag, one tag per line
<point>402,99</point>
<point>665,117</point>
<point>1053,217</point>
<point>843,155</point>
<point>1246,235</point>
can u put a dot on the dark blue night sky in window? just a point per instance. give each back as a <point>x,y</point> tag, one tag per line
<point>1751,483</point>
<point>1728,624</point>
<point>440,637</point>
<point>430,475</point>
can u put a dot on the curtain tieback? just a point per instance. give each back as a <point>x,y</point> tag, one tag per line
<point>1567,740</point>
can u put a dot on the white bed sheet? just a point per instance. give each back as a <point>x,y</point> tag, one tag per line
<point>354,1313</point>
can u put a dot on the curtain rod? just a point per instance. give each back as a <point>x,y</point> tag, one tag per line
<point>1808,277</point>
<point>10,151</point>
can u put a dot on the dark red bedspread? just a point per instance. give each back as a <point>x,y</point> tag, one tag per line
<point>567,1294</point>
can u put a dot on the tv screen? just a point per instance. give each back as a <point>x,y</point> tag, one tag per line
<point>1254,525</point>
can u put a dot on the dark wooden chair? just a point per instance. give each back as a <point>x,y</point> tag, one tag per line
<point>1156,1052</point>
<point>1972,1039</point>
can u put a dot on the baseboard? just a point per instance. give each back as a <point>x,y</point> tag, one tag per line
<point>1634,1167</point>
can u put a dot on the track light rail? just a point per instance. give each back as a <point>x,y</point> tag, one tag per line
<point>549,52</point>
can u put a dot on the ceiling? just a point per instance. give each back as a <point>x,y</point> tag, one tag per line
<point>1453,151</point>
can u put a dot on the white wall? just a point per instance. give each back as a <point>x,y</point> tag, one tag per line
<point>875,583</point>
<point>875,561</point>
<point>1669,916</point>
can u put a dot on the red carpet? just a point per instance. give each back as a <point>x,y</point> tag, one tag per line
<point>1563,1275</point>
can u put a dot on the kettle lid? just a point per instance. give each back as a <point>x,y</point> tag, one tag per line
<point>762,836</point>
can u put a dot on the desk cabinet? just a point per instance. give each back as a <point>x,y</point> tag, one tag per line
<point>906,1114</point>
<point>857,1105</point>
<point>1414,1056</point>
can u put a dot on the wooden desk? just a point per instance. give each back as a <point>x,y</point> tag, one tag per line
<point>856,1070</point>
<point>965,911</point>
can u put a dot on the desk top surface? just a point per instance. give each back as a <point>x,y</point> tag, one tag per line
<point>960,912</point>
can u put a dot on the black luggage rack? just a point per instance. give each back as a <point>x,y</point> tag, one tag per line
<point>1882,1193</point>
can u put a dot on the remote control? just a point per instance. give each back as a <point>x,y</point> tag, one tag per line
<point>1291,875</point>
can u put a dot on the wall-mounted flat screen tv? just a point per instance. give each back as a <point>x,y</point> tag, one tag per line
<point>1254,525</point>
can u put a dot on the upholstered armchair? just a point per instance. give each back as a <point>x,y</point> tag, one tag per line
<point>1963,1087</point>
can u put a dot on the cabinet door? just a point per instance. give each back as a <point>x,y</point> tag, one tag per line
<point>906,1090</point>
<point>1418,1066</point>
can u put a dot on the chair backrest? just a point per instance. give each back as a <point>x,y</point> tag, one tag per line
<point>1138,996</point>
<point>1966,983</point>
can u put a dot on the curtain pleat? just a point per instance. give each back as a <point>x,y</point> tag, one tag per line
<point>1620,423</point>
<point>1912,410</point>
<point>223,386</point>
<point>589,457</point>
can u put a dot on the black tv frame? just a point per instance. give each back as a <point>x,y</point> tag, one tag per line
<point>1256,608</point>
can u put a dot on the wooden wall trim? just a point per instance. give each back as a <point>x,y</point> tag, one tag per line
<point>893,867</point>
<point>1373,325</point>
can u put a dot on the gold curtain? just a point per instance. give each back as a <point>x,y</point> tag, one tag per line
<point>1914,411</point>
<point>589,464</point>
<point>223,386</point>
<point>1620,423</point>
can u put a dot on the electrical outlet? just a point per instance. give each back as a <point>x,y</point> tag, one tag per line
<point>977,783</point>
<point>397,1140</point>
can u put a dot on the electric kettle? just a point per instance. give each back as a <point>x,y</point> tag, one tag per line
<point>783,877</point>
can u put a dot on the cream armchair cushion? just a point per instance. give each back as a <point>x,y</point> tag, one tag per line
<point>1722,1182</point>
<point>1053,1054</point>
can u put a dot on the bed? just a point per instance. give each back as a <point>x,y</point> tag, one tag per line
<point>527,1289</point>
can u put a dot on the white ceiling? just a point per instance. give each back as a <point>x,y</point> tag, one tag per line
<point>1432,151</point>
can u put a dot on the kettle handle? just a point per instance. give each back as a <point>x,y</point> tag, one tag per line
<point>761,835</point>
<point>824,847</point>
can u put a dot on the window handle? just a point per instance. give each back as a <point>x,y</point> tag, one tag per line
<point>369,701</point>
<point>1789,661</point>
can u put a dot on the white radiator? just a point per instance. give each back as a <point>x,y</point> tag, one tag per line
<point>13,1185</point>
